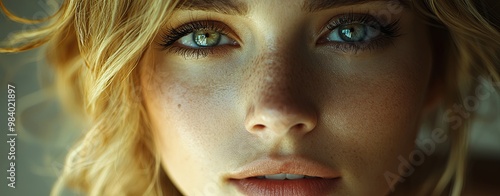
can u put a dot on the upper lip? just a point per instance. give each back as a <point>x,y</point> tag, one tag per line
<point>289,165</point>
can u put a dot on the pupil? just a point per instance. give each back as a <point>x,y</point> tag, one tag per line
<point>206,38</point>
<point>353,32</point>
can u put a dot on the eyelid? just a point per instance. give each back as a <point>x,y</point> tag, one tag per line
<point>352,18</point>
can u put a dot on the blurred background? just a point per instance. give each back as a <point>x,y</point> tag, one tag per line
<point>45,133</point>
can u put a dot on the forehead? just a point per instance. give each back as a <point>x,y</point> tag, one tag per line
<point>242,7</point>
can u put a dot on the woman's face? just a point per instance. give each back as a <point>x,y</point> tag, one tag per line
<point>328,89</point>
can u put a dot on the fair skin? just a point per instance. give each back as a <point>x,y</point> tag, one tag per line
<point>279,89</point>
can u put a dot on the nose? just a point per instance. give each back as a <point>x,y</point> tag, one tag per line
<point>278,103</point>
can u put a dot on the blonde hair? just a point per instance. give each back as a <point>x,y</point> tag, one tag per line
<point>95,47</point>
<point>472,51</point>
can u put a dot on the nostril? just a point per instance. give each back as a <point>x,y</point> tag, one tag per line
<point>280,119</point>
<point>300,126</point>
<point>259,127</point>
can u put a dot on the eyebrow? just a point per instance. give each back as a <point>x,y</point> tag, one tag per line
<point>235,7</point>
<point>231,7</point>
<point>318,5</point>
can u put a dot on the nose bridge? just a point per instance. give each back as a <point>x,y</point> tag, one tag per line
<point>275,92</point>
<point>277,74</point>
<point>274,76</point>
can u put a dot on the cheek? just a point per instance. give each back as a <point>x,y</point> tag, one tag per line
<point>374,111</point>
<point>376,121</point>
<point>189,119</point>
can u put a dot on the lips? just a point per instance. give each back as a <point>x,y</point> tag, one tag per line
<point>285,176</point>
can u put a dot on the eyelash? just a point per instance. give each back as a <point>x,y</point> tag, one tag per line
<point>389,31</point>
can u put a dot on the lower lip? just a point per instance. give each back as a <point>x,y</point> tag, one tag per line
<point>309,186</point>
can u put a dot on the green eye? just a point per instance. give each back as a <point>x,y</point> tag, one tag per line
<point>354,32</point>
<point>206,38</point>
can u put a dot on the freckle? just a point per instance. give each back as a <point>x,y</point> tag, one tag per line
<point>178,105</point>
